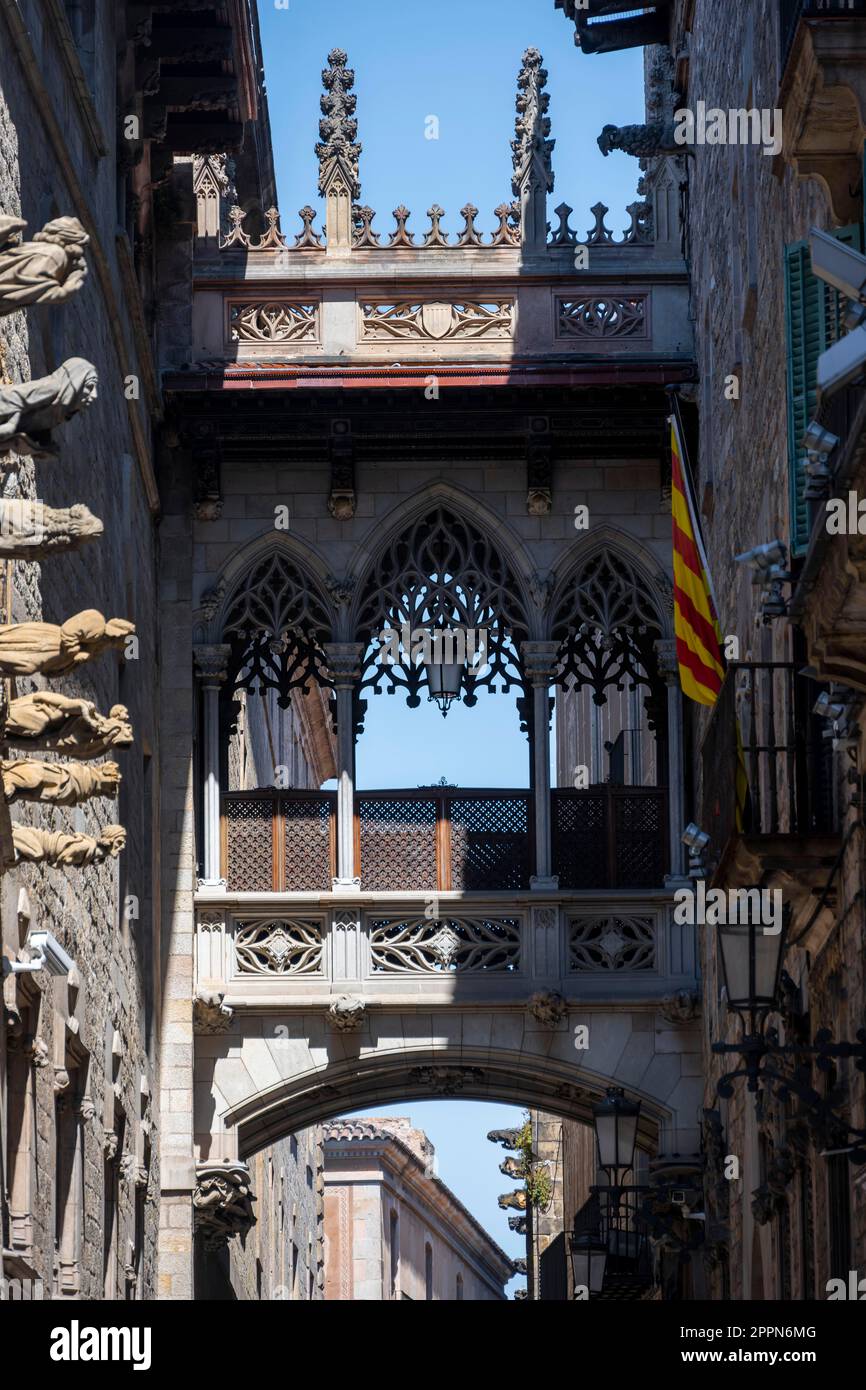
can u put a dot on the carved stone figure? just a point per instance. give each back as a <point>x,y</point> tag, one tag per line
<point>30,410</point>
<point>346,1013</point>
<point>30,531</point>
<point>60,784</point>
<point>222,1202</point>
<point>643,141</point>
<point>682,1007</point>
<point>36,846</point>
<point>210,1016</point>
<point>50,649</point>
<point>508,1138</point>
<point>47,270</point>
<point>516,1201</point>
<point>59,723</point>
<point>548,1008</point>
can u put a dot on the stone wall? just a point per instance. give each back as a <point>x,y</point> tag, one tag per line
<point>745,208</point>
<point>104,1033</point>
<point>282,1258</point>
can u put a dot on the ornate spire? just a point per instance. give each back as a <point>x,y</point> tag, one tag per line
<point>532,150</point>
<point>338,149</point>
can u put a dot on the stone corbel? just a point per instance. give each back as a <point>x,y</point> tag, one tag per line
<point>207,473</point>
<point>222,1202</point>
<point>341,497</point>
<point>210,1016</point>
<point>548,1008</point>
<point>539,467</point>
<point>346,1013</point>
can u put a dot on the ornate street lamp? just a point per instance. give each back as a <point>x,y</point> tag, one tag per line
<point>588,1261</point>
<point>445,677</point>
<point>751,959</point>
<point>615,1120</point>
<point>752,967</point>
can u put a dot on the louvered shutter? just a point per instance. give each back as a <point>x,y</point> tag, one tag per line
<point>814,321</point>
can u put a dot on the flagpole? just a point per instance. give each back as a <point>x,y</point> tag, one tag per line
<point>688,488</point>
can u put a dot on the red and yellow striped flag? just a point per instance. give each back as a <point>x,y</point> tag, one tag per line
<point>696,621</point>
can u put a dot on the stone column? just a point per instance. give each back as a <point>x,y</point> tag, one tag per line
<point>344,669</point>
<point>666,651</point>
<point>211,664</point>
<point>539,660</point>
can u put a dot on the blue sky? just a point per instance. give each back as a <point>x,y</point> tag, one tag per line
<point>458,60</point>
<point>467,1161</point>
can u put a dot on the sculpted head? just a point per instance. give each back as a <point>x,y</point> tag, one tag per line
<point>112,840</point>
<point>82,523</point>
<point>108,775</point>
<point>63,231</point>
<point>83,379</point>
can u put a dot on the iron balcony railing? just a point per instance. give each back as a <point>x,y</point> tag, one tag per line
<point>786,761</point>
<point>442,839</point>
<point>792,11</point>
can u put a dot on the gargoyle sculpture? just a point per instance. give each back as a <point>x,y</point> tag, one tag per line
<point>52,649</point>
<point>33,846</point>
<point>31,531</point>
<point>30,410</point>
<point>51,722</point>
<point>47,270</point>
<point>58,784</point>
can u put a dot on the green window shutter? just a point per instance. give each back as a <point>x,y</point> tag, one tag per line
<point>814,315</point>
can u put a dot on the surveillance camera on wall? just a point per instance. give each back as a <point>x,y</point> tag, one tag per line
<point>839,265</point>
<point>818,441</point>
<point>695,838</point>
<point>843,363</point>
<point>50,952</point>
<point>764,558</point>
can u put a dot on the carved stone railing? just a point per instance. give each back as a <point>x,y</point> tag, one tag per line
<point>251,948</point>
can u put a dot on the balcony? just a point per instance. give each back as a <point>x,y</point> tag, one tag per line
<point>787,834</point>
<point>791,12</point>
<point>445,840</point>
<point>822,93</point>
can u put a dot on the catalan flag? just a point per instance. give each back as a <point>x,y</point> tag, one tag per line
<point>696,620</point>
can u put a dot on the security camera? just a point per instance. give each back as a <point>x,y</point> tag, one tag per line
<point>764,557</point>
<point>49,951</point>
<point>818,441</point>
<point>839,265</point>
<point>827,708</point>
<point>842,363</point>
<point>695,838</point>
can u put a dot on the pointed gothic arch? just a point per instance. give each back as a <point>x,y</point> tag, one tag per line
<point>440,570</point>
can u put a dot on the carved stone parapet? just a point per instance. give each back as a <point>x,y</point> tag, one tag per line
<point>346,1013</point>
<point>222,1202</point>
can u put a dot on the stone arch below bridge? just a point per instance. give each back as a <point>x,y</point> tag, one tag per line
<point>269,1074</point>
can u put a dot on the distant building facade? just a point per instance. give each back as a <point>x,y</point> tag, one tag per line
<point>393,1230</point>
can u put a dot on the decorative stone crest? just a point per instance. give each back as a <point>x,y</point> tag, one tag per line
<point>210,1016</point>
<point>222,1202</point>
<point>682,1007</point>
<point>346,1013</point>
<point>30,410</point>
<point>548,1008</point>
<point>445,1081</point>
